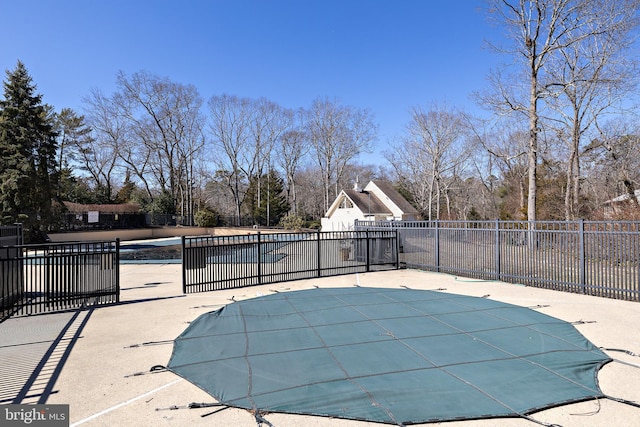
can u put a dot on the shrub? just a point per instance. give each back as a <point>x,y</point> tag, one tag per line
<point>291,222</point>
<point>206,218</point>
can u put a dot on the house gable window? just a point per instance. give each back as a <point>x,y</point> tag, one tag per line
<point>346,204</point>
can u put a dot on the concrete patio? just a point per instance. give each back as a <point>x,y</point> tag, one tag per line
<point>98,361</point>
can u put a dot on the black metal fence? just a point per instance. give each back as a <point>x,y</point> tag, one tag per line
<point>589,257</point>
<point>103,221</point>
<point>151,220</point>
<point>11,235</point>
<point>118,221</point>
<point>222,262</point>
<point>53,277</point>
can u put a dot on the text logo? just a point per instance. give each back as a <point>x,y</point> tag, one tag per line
<point>34,415</point>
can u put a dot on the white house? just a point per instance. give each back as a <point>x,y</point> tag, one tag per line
<point>616,205</point>
<point>377,201</point>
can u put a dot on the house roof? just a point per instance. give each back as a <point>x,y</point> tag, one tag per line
<point>395,196</point>
<point>622,198</point>
<point>367,202</point>
<point>378,198</point>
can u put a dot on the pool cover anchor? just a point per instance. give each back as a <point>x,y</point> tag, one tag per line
<point>150,343</point>
<point>261,420</point>
<point>192,405</point>
<point>156,369</point>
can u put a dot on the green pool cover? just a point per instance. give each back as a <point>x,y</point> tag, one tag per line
<point>396,356</point>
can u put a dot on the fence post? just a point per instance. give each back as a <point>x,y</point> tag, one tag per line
<point>20,233</point>
<point>397,249</point>
<point>259,261</point>
<point>437,246</point>
<point>184,265</point>
<point>117,267</point>
<point>498,273</point>
<point>366,234</point>
<point>582,268</point>
<point>47,276</point>
<point>318,251</point>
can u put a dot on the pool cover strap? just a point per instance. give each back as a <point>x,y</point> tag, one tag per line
<point>397,356</point>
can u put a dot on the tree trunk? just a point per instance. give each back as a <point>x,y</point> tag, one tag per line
<point>533,142</point>
<point>523,203</point>
<point>569,193</point>
<point>576,187</point>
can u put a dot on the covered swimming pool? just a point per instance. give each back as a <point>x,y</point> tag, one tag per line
<point>396,356</point>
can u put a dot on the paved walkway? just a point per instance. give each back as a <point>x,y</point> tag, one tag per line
<point>29,351</point>
<point>98,361</point>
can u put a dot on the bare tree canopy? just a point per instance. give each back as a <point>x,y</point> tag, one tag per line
<point>229,124</point>
<point>338,134</point>
<point>587,80</point>
<point>155,127</point>
<point>546,146</point>
<point>539,33</point>
<point>290,152</point>
<point>430,157</point>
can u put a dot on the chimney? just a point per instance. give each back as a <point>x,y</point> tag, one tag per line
<point>356,187</point>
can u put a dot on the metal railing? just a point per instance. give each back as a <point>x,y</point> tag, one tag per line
<point>589,257</point>
<point>53,277</point>
<point>11,235</point>
<point>223,262</point>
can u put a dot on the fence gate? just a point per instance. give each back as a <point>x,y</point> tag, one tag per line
<point>53,277</point>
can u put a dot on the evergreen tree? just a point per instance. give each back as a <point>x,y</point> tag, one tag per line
<point>266,199</point>
<point>74,189</point>
<point>126,192</point>
<point>73,134</point>
<point>28,145</point>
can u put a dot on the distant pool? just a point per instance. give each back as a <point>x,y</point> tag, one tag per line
<point>169,251</point>
<point>153,251</point>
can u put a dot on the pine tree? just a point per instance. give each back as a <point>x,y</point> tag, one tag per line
<point>126,192</point>
<point>28,147</point>
<point>267,202</point>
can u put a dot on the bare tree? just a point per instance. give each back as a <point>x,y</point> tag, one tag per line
<point>412,173</point>
<point>430,156</point>
<point>189,153</point>
<point>246,132</point>
<point>506,145</point>
<point>290,151</point>
<point>614,162</point>
<point>588,79</point>
<point>229,125</point>
<point>111,130</point>
<point>269,122</point>
<point>101,154</point>
<point>310,200</point>
<point>338,134</point>
<point>538,30</point>
<point>164,131</point>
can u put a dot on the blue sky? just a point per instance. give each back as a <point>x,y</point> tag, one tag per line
<point>386,56</point>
